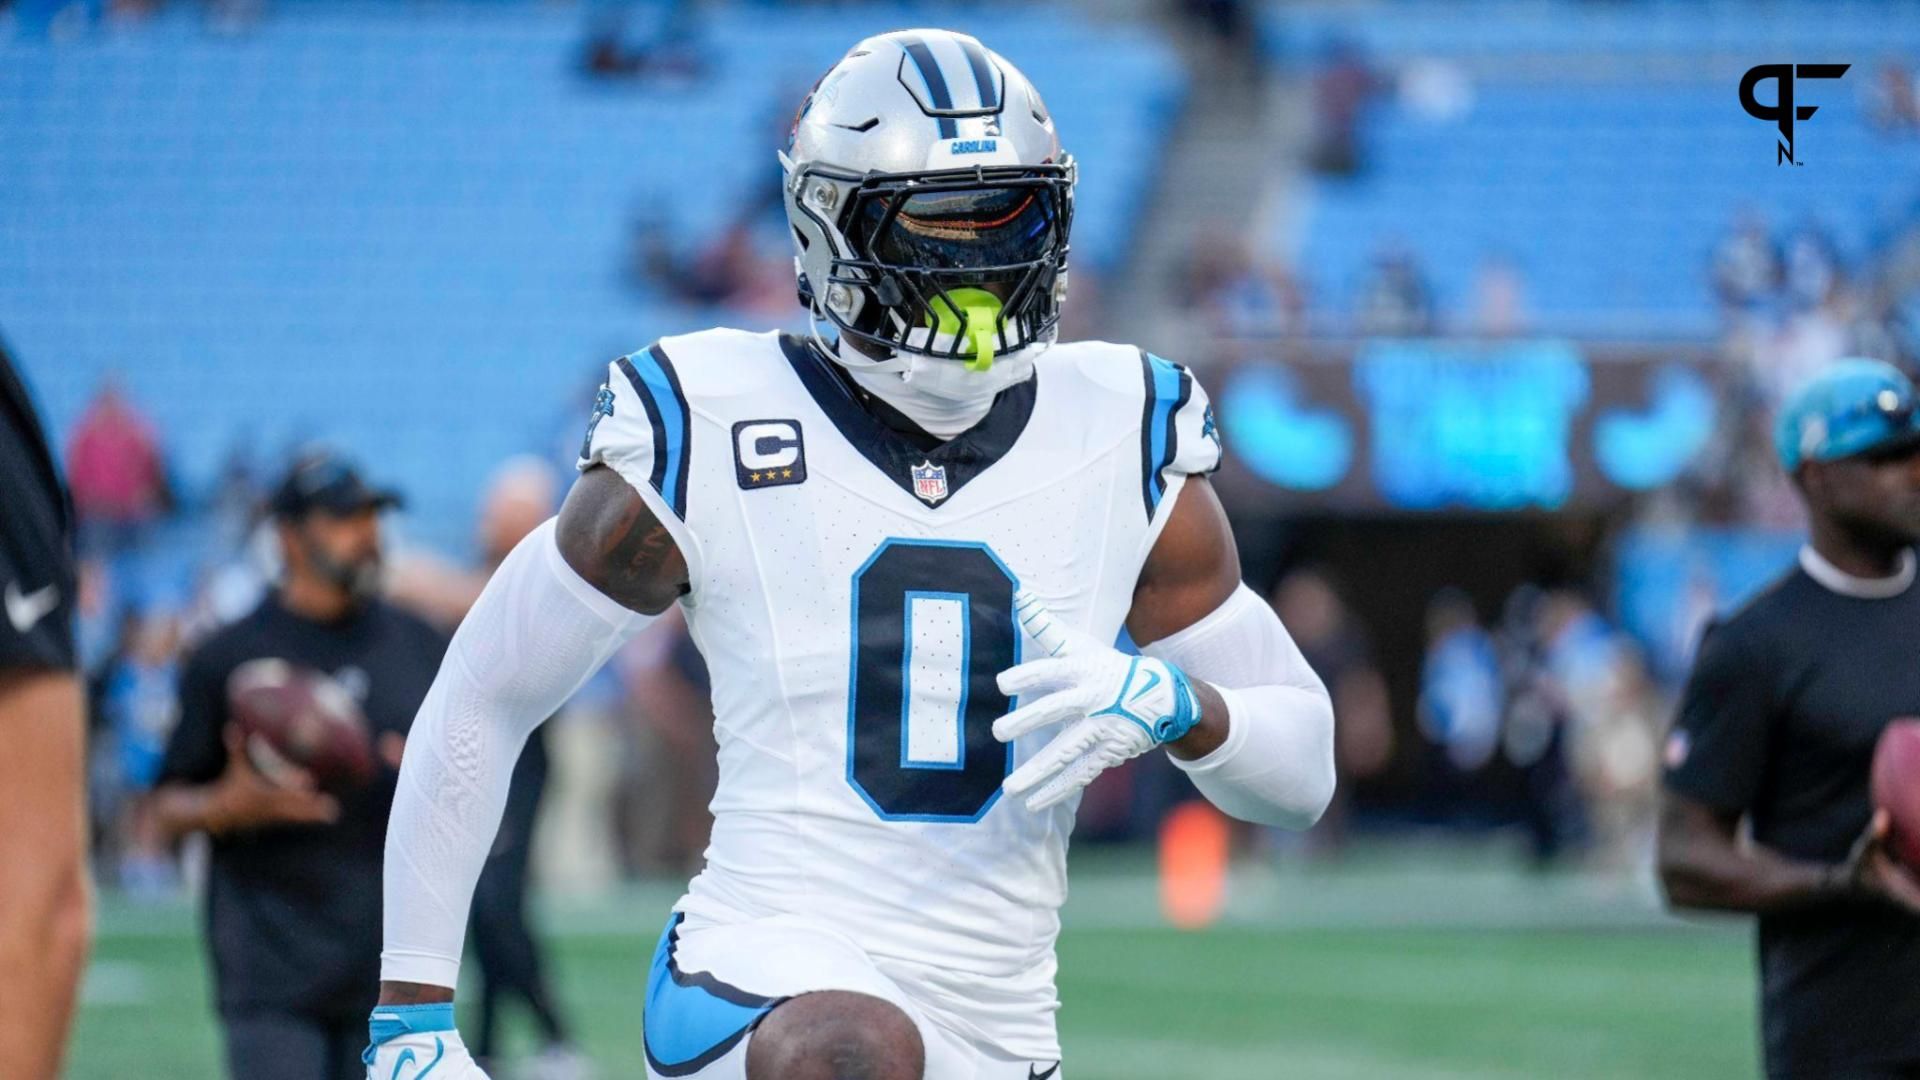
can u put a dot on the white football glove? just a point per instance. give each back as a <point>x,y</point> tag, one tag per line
<point>1122,706</point>
<point>417,1042</point>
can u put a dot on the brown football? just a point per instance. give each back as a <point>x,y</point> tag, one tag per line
<point>1896,785</point>
<point>293,716</point>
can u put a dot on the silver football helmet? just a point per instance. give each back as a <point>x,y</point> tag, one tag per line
<point>930,204</point>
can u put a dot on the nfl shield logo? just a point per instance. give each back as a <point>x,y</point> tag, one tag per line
<point>930,481</point>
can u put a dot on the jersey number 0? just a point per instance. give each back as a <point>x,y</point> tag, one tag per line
<point>932,625</point>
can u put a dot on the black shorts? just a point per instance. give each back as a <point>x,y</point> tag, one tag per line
<point>37,582</point>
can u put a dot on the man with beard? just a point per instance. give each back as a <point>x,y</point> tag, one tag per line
<point>293,896</point>
<point>1777,731</point>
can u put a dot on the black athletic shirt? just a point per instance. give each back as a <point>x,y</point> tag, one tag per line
<point>293,912</point>
<point>36,539</point>
<point>1779,722</point>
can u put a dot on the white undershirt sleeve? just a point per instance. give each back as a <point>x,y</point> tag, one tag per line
<point>1276,765</point>
<point>536,634</point>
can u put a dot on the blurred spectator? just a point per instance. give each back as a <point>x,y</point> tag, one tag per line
<point>97,627</point>
<point>1395,300</point>
<point>1461,698</point>
<point>672,771</point>
<point>1499,299</point>
<point>734,269</point>
<point>1893,102</point>
<point>1342,89</point>
<point>667,46</point>
<point>239,499</point>
<point>1336,647</point>
<point>1792,314</point>
<point>138,709</point>
<point>1534,728</point>
<point>114,468</point>
<point>1231,33</point>
<point>1811,268</point>
<point>1746,268</point>
<point>1238,293</point>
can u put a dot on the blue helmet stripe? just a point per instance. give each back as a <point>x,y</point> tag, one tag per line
<point>936,84</point>
<point>983,80</point>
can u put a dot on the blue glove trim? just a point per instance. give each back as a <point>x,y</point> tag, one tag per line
<point>1165,729</point>
<point>389,1022</point>
<point>1186,710</point>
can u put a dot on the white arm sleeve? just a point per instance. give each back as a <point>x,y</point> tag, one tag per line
<point>535,635</point>
<point>1276,765</point>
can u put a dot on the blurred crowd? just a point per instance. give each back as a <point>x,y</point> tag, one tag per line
<point>1543,718</point>
<point>1540,714</point>
<point>161,571</point>
<point>1788,301</point>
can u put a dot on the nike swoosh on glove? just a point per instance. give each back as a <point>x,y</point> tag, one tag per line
<point>1121,706</point>
<point>417,1042</point>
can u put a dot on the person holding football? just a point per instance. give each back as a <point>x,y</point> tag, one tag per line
<point>293,891</point>
<point>1777,730</point>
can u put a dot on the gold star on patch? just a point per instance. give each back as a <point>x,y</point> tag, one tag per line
<point>755,477</point>
<point>786,474</point>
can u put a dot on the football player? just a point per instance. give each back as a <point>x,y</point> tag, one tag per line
<point>904,544</point>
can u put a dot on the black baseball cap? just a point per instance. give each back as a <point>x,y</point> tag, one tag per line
<point>324,480</point>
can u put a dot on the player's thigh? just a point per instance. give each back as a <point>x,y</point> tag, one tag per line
<point>282,1045</point>
<point>712,985</point>
<point>823,1034</point>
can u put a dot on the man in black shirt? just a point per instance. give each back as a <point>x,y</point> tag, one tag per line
<point>293,897</point>
<point>43,874</point>
<point>1778,727</point>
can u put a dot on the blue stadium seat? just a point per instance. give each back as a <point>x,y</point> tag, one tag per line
<point>404,228</point>
<point>1608,193</point>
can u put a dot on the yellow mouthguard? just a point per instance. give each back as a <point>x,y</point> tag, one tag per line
<point>979,311</point>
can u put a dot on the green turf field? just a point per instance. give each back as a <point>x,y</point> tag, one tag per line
<point>1381,970</point>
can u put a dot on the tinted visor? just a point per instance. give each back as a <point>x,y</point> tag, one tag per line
<point>969,229</point>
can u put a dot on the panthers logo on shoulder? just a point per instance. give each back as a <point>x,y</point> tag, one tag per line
<point>602,407</point>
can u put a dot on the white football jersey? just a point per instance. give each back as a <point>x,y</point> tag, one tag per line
<point>852,593</point>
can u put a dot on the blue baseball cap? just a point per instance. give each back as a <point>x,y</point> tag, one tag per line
<point>1852,407</point>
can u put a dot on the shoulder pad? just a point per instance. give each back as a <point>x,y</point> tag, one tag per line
<point>640,427</point>
<point>721,362</point>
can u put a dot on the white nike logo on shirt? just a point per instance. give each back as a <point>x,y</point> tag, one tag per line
<point>26,610</point>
